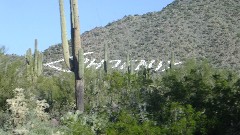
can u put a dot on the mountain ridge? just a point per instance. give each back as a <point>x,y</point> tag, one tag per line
<point>201,29</point>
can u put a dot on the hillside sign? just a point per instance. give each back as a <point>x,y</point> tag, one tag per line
<point>115,64</point>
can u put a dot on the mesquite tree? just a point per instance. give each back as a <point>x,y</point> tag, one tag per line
<point>76,65</point>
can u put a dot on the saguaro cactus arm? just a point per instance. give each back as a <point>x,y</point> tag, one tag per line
<point>29,62</point>
<point>28,56</point>
<point>65,44</point>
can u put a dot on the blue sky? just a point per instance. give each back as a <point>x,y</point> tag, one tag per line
<point>22,21</point>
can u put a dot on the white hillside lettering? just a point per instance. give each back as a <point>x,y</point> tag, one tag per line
<point>117,64</point>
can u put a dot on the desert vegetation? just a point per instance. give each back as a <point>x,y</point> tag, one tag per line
<point>194,98</point>
<point>198,97</point>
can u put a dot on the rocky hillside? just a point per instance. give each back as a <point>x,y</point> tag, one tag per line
<point>190,28</point>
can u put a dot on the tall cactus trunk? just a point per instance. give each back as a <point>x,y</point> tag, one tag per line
<point>172,62</point>
<point>105,58</point>
<point>35,68</point>
<point>40,64</point>
<point>77,61</point>
<point>128,64</point>
<point>29,64</point>
<point>79,82</point>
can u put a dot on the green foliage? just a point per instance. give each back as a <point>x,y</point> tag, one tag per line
<point>2,50</point>
<point>179,119</point>
<point>238,34</point>
<point>210,91</point>
<point>79,124</point>
<point>58,91</point>
<point>129,124</point>
<point>10,77</point>
<point>75,124</point>
<point>27,115</point>
<point>193,99</point>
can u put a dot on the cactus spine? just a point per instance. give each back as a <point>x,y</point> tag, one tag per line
<point>34,64</point>
<point>76,65</point>
<point>105,58</point>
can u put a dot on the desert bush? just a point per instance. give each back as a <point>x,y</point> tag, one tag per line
<point>58,92</point>
<point>10,78</point>
<point>75,124</point>
<point>208,90</point>
<point>27,116</point>
<point>129,124</point>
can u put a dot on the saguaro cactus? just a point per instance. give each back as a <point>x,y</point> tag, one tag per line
<point>34,64</point>
<point>105,58</point>
<point>40,64</point>
<point>131,67</point>
<point>172,62</point>
<point>128,64</point>
<point>76,65</point>
<point>29,64</point>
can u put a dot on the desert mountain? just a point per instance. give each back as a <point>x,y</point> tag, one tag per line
<point>189,28</point>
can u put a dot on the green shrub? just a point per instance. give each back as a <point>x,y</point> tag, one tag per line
<point>28,116</point>
<point>76,125</point>
<point>129,124</point>
<point>181,119</point>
